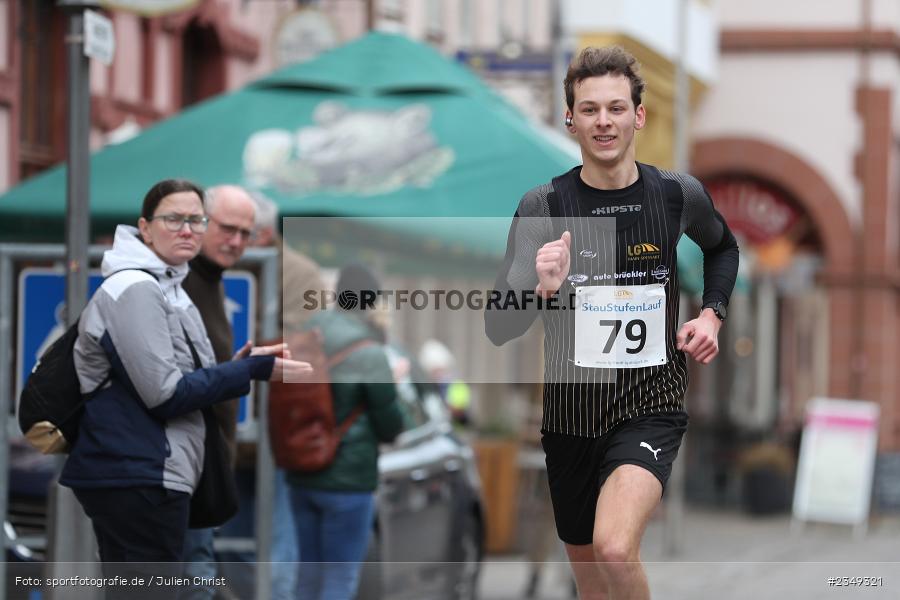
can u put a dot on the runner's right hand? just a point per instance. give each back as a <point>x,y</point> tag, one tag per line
<point>552,264</point>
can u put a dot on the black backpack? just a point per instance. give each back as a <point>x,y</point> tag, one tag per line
<point>51,403</point>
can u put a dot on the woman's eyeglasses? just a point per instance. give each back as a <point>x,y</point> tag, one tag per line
<point>173,222</point>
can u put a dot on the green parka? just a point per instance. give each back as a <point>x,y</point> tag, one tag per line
<point>364,378</point>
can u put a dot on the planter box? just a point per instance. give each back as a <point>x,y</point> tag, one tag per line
<point>499,470</point>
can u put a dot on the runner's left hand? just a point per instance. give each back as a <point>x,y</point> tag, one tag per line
<point>699,338</point>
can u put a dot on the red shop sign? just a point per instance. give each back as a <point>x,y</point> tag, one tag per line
<point>759,212</point>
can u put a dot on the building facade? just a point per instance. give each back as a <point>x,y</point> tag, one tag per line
<point>164,64</point>
<point>807,106</point>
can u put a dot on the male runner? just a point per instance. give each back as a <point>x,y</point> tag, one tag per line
<point>593,252</point>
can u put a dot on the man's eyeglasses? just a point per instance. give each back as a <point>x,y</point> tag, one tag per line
<point>174,222</point>
<point>231,230</point>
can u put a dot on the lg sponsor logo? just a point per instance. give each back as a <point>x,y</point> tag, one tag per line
<point>645,251</point>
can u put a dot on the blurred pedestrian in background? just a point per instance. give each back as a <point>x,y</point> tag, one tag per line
<point>231,212</point>
<point>439,363</point>
<point>298,274</point>
<point>139,453</point>
<point>334,507</point>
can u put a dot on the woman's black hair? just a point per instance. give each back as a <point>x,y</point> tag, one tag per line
<point>162,189</point>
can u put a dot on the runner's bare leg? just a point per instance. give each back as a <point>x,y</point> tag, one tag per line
<point>627,501</point>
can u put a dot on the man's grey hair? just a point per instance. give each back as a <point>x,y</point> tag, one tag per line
<point>209,201</point>
<point>266,212</point>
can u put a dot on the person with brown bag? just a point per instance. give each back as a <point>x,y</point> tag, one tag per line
<point>333,500</point>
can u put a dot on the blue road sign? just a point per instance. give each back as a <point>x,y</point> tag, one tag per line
<point>41,317</point>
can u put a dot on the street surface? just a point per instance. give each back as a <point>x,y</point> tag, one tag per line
<point>732,556</point>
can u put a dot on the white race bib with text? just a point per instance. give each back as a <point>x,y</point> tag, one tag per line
<point>620,327</point>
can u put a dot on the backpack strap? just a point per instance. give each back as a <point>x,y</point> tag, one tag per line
<point>341,355</point>
<point>351,418</point>
<point>197,363</point>
<point>334,360</point>
<point>147,271</point>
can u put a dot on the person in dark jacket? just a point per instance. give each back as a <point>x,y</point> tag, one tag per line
<point>231,214</point>
<point>139,452</point>
<point>334,508</point>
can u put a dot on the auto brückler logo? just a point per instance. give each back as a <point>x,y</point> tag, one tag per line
<point>644,251</point>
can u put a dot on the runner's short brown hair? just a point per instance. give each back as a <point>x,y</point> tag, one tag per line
<point>595,62</point>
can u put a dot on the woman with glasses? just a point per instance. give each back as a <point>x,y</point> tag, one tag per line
<point>139,452</point>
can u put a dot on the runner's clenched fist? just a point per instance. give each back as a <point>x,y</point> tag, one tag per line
<point>552,265</point>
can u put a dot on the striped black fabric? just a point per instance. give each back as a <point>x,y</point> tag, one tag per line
<point>635,249</point>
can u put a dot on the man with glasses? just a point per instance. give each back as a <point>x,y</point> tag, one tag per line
<point>230,214</point>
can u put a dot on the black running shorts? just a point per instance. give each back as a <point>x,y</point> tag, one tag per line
<point>578,466</point>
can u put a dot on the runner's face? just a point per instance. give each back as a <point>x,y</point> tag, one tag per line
<point>604,120</point>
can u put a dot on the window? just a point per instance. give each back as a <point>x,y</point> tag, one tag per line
<point>43,92</point>
<point>202,65</point>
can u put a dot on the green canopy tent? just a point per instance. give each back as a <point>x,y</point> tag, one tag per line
<point>382,129</point>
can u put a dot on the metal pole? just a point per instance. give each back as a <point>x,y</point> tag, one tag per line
<point>265,466</point>
<point>370,15</point>
<point>673,538</point>
<point>69,537</point>
<point>558,68</point>
<point>681,155</point>
<point>77,174</point>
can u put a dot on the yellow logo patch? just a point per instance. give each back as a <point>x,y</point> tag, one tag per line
<point>645,251</point>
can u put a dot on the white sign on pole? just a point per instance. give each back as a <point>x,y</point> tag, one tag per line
<point>837,461</point>
<point>99,39</point>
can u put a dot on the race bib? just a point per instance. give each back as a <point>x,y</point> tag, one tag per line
<point>620,327</point>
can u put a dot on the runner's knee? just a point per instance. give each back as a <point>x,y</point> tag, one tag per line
<point>614,551</point>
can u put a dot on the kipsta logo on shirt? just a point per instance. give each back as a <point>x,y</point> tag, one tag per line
<point>644,251</point>
<point>614,210</point>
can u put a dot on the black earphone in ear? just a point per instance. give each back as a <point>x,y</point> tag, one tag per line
<point>569,121</point>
